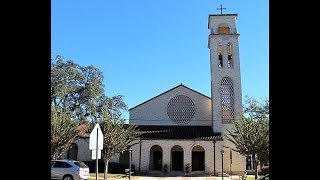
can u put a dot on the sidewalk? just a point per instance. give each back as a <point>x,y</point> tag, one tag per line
<point>186,178</point>
<point>169,178</point>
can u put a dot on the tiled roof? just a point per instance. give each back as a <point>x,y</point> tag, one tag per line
<point>178,132</point>
<point>83,131</point>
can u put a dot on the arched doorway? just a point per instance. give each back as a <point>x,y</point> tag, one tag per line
<point>176,158</point>
<point>73,152</point>
<point>198,158</point>
<point>155,158</point>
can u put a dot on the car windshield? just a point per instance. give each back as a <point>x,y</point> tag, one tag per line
<point>81,164</point>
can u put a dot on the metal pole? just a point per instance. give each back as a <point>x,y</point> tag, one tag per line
<point>222,163</point>
<point>230,163</point>
<point>130,163</point>
<point>214,158</point>
<point>97,156</point>
<point>230,171</point>
<point>140,158</point>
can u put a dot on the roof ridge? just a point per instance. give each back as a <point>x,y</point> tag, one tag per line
<point>168,91</point>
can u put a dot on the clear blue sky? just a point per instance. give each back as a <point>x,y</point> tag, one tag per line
<point>146,47</point>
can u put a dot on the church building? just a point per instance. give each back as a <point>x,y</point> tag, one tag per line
<point>182,130</point>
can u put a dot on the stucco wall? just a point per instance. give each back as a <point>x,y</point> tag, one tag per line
<point>217,73</point>
<point>154,112</point>
<point>166,145</point>
<point>215,21</point>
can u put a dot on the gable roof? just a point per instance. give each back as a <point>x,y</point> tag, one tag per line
<point>168,91</point>
<point>178,132</point>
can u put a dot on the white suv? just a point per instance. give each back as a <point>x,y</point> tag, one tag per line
<point>69,170</point>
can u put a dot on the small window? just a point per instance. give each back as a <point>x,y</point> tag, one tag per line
<point>220,61</point>
<point>230,61</point>
<point>59,164</point>
<point>249,163</point>
<point>81,164</point>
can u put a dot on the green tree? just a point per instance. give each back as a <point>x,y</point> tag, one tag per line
<point>76,88</point>
<point>118,136</point>
<point>259,111</point>
<point>256,109</point>
<point>63,131</point>
<point>79,91</point>
<point>250,135</point>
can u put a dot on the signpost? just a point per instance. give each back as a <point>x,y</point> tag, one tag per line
<point>96,145</point>
<point>230,163</point>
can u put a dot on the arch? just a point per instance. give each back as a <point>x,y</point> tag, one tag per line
<point>227,99</point>
<point>223,28</point>
<point>230,55</point>
<point>177,158</point>
<point>198,158</point>
<point>156,155</point>
<point>73,152</point>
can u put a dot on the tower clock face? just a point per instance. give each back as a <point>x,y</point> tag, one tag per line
<point>181,109</point>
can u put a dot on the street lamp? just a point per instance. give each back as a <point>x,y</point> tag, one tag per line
<point>214,157</point>
<point>222,151</point>
<point>130,151</point>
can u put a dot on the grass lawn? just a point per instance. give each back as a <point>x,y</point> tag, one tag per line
<point>110,176</point>
<point>251,177</point>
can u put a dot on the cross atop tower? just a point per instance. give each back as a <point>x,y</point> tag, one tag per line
<point>221,8</point>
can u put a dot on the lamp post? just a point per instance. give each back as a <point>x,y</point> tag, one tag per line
<point>214,157</point>
<point>222,151</point>
<point>130,150</point>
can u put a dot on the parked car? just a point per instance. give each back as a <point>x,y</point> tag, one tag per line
<point>69,170</point>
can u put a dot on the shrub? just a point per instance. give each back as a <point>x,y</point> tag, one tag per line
<point>165,168</point>
<point>264,171</point>
<point>188,168</point>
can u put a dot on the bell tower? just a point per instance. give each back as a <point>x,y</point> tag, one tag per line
<point>225,70</point>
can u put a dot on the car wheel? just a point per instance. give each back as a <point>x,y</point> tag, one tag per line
<point>67,177</point>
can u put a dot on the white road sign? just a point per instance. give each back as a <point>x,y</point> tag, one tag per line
<point>94,152</point>
<point>96,136</point>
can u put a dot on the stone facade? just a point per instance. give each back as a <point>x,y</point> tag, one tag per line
<point>237,165</point>
<point>155,110</point>
<point>217,73</point>
<point>200,110</point>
